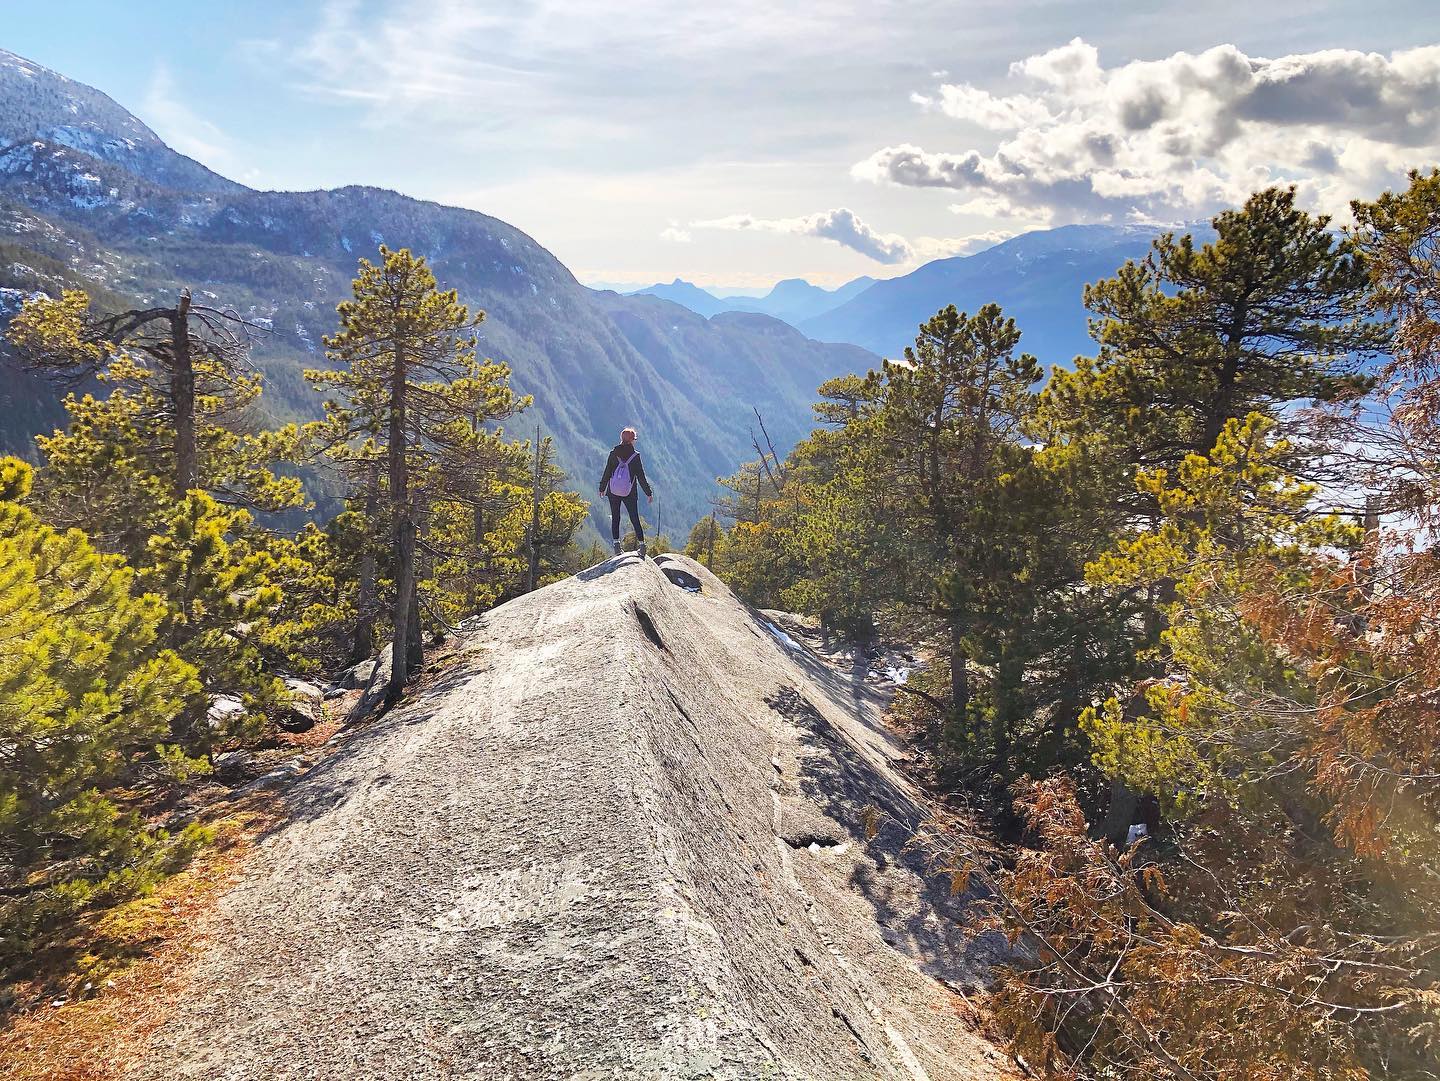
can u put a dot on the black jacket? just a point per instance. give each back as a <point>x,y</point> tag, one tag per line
<point>623,453</point>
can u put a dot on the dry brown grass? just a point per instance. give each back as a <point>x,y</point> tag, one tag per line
<point>134,959</point>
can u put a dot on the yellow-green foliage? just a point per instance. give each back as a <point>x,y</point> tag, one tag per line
<point>1220,515</point>
<point>238,599</point>
<point>51,330</point>
<point>87,687</point>
<point>219,587</point>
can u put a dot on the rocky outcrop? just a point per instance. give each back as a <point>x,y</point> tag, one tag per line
<point>622,836</point>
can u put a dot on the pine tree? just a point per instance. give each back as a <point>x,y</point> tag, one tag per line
<point>701,543</point>
<point>222,590</point>
<point>953,418</point>
<point>184,370</point>
<point>1293,699</point>
<point>161,472</point>
<point>87,685</point>
<point>474,570</point>
<point>555,516</point>
<point>407,385</point>
<point>1271,311</point>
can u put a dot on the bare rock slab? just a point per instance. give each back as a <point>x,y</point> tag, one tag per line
<point>619,838</point>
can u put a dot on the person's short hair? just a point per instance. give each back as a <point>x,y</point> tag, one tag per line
<point>627,431</point>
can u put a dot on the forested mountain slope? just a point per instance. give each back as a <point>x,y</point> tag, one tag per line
<point>88,194</point>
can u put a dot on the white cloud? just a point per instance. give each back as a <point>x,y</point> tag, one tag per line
<point>1181,136</point>
<point>843,227</point>
<point>927,248</point>
<point>183,129</point>
<point>840,225</point>
<point>675,234</point>
<point>991,206</point>
<point>981,107</point>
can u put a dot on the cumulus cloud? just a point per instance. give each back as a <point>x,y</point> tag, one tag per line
<point>675,234</point>
<point>1173,138</point>
<point>840,225</point>
<point>844,228</point>
<point>981,107</point>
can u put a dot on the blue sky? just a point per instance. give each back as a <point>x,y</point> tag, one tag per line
<point>740,143</point>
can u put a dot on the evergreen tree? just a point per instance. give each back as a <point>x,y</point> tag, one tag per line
<point>1293,702</point>
<point>480,532</point>
<point>221,590</point>
<point>1271,311</point>
<point>700,544</point>
<point>407,386</point>
<point>87,687</point>
<point>185,371</point>
<point>161,472</point>
<point>952,423</point>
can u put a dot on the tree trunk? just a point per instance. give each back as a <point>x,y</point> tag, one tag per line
<point>362,645</point>
<point>400,655</point>
<point>182,396</point>
<point>1008,681</point>
<point>1222,403</point>
<point>534,574</point>
<point>404,528</point>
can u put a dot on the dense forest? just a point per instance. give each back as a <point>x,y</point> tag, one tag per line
<point>1179,603</point>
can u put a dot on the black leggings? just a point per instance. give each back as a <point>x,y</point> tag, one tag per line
<point>632,504</point>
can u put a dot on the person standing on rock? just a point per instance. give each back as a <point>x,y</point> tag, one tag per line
<point>624,476</point>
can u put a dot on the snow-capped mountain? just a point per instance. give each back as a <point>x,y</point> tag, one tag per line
<point>44,105</point>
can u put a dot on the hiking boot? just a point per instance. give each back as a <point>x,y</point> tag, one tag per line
<point>642,549</point>
<point>619,548</point>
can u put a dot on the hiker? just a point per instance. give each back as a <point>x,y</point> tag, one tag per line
<point>623,473</point>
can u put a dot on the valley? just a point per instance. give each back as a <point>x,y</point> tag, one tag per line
<point>90,197</point>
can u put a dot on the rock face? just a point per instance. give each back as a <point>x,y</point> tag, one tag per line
<point>376,679</point>
<point>306,706</point>
<point>619,838</point>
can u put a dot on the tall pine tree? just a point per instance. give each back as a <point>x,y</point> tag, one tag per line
<point>408,388</point>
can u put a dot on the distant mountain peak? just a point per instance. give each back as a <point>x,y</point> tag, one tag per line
<point>1038,278</point>
<point>790,300</point>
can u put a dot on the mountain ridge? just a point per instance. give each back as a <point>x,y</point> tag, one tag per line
<point>790,299</point>
<point>1037,278</point>
<point>52,110</point>
<point>719,874</point>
